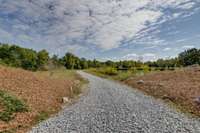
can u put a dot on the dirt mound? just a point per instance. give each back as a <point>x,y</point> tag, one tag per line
<point>41,94</point>
<point>180,87</point>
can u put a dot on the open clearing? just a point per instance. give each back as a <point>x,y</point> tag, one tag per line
<point>112,107</point>
<point>180,87</point>
<point>42,92</point>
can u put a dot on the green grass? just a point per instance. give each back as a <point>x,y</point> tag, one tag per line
<point>11,105</point>
<point>118,75</point>
<point>42,116</point>
<point>9,131</point>
<point>61,73</point>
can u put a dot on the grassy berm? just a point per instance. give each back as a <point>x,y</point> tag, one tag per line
<point>27,98</point>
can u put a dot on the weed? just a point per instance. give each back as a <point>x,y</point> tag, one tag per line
<point>9,131</point>
<point>43,115</point>
<point>11,105</point>
<point>6,116</point>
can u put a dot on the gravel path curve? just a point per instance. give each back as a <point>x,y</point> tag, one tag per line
<point>114,108</point>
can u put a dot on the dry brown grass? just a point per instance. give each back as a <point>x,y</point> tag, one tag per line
<point>41,91</point>
<point>179,87</point>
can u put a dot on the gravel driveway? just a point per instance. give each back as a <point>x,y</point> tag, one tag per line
<point>112,107</point>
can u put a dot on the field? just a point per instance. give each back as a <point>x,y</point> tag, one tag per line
<point>112,73</point>
<point>179,88</point>
<point>27,98</point>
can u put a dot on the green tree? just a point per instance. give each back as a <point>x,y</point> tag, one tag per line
<point>29,59</point>
<point>42,58</point>
<point>19,57</point>
<point>189,57</point>
<point>69,61</point>
<point>5,54</point>
<point>83,63</point>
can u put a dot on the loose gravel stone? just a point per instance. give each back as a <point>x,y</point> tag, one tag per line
<point>114,108</point>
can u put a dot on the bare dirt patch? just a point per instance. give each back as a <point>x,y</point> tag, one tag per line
<point>41,91</point>
<point>180,87</point>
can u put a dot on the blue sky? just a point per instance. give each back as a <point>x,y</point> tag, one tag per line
<point>103,29</point>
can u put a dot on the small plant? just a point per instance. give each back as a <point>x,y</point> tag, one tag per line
<point>77,90</point>
<point>146,68</point>
<point>42,116</point>
<point>11,105</point>
<point>6,116</point>
<point>124,75</point>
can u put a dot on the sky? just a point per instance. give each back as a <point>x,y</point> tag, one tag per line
<point>103,29</point>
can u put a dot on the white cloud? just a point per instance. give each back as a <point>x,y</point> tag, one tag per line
<point>188,46</point>
<point>166,49</point>
<point>149,57</point>
<point>142,57</point>
<point>132,56</point>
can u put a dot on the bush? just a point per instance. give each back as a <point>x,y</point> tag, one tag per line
<point>12,105</point>
<point>139,69</point>
<point>109,71</point>
<point>146,68</point>
<point>162,69</point>
<point>6,116</point>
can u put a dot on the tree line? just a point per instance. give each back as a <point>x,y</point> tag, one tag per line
<point>16,56</point>
<point>29,59</point>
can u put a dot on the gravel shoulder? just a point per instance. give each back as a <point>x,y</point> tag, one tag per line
<point>111,107</point>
